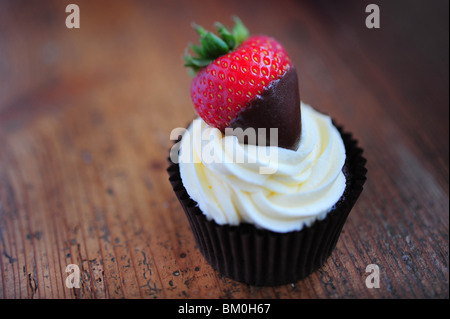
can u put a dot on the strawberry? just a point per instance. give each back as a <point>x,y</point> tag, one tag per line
<point>235,73</point>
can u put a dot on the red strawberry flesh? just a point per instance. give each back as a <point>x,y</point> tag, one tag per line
<point>224,88</point>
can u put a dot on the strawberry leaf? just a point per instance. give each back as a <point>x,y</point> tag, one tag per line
<point>196,63</point>
<point>240,32</point>
<point>212,46</point>
<point>226,35</point>
<point>198,50</point>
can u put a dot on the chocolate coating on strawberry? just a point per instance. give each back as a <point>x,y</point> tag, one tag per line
<point>264,112</point>
<point>248,83</point>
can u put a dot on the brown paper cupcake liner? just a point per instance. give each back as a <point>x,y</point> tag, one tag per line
<point>265,258</point>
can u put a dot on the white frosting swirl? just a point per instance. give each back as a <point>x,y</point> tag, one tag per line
<point>303,187</point>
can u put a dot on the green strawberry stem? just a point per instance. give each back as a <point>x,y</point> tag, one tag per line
<point>240,32</point>
<point>213,46</point>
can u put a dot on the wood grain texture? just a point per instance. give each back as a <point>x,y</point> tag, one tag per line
<point>85,118</point>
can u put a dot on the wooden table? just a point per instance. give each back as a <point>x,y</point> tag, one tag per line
<point>85,118</point>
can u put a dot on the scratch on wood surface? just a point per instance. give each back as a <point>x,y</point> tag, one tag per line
<point>32,283</point>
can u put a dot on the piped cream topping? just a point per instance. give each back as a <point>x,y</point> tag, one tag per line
<point>273,188</point>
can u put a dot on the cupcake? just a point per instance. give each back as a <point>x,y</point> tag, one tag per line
<point>266,181</point>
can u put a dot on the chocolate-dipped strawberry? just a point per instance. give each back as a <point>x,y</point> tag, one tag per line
<point>246,82</point>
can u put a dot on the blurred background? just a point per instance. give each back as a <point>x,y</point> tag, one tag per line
<point>85,118</point>
<point>138,46</point>
<point>126,59</point>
